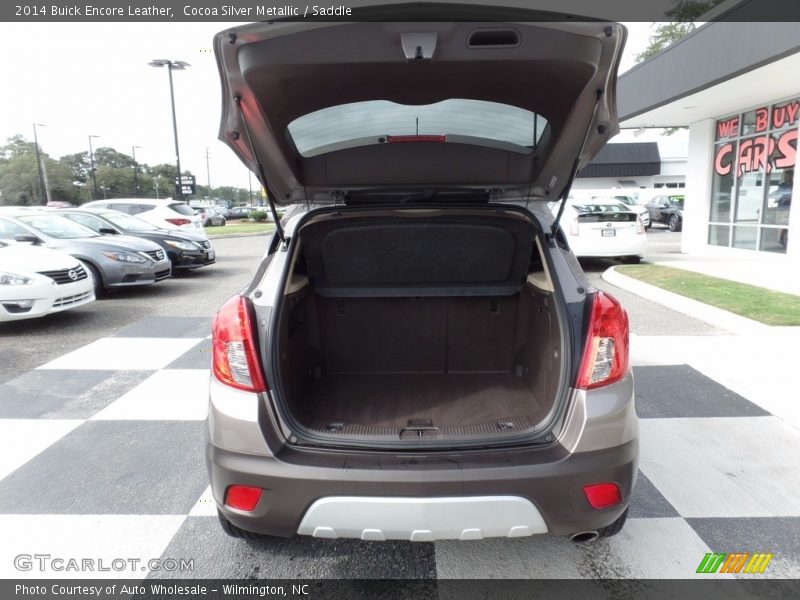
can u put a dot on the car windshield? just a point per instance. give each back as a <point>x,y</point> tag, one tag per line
<point>125,221</point>
<point>183,209</point>
<point>58,227</point>
<point>599,208</point>
<point>376,121</point>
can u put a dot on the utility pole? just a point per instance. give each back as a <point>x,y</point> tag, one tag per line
<point>135,170</point>
<point>177,65</point>
<point>208,174</point>
<point>91,159</point>
<point>42,188</point>
<point>250,185</point>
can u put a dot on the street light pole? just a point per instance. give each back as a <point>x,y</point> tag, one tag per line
<point>135,180</point>
<point>42,188</point>
<point>91,159</point>
<point>177,65</point>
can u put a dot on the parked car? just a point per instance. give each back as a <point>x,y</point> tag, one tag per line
<point>667,209</point>
<point>36,281</point>
<point>631,203</point>
<point>185,249</point>
<point>166,214</point>
<point>237,212</point>
<point>421,357</point>
<point>210,216</point>
<point>604,229</point>
<point>121,261</point>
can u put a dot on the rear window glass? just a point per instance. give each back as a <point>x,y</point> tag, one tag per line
<point>183,209</point>
<point>370,122</point>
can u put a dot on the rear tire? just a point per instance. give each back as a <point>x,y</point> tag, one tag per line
<point>674,223</point>
<point>97,280</point>
<point>235,532</point>
<point>631,260</point>
<point>615,527</point>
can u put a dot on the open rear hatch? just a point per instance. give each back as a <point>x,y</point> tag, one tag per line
<point>328,108</point>
<point>420,309</point>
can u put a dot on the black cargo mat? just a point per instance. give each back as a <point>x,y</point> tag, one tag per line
<point>393,400</point>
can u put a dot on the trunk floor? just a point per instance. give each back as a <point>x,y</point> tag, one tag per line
<point>391,400</point>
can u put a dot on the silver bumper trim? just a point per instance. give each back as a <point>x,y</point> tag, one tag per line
<point>422,519</point>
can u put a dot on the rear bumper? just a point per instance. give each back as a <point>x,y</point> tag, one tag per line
<point>550,480</point>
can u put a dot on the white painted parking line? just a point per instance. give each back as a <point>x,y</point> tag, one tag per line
<point>22,439</point>
<point>206,506</point>
<point>105,541</point>
<point>723,467</point>
<point>175,394</point>
<point>124,354</point>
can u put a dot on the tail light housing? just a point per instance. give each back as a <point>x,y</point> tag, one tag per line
<point>606,354</point>
<point>639,225</point>
<point>242,497</point>
<point>602,495</point>
<point>234,360</point>
<point>178,222</point>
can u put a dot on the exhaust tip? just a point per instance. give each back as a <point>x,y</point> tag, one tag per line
<point>583,536</point>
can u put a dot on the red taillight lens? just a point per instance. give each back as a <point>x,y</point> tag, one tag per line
<point>234,358</point>
<point>606,354</point>
<point>242,497</point>
<point>178,222</point>
<point>602,495</point>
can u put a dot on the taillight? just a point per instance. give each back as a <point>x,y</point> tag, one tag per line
<point>639,225</point>
<point>242,497</point>
<point>573,228</point>
<point>178,222</point>
<point>606,354</point>
<point>234,357</point>
<point>602,495</point>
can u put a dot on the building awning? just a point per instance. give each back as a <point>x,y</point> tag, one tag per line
<point>635,159</point>
<point>718,69</point>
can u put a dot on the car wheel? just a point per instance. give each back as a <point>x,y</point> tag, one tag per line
<point>632,260</point>
<point>647,227</point>
<point>97,280</point>
<point>674,223</point>
<point>615,527</point>
<point>233,531</point>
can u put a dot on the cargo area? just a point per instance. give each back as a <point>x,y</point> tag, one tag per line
<point>460,347</point>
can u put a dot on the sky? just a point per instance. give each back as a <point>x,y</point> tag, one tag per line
<point>78,79</point>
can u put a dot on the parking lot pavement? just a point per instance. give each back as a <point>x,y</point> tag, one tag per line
<point>102,456</point>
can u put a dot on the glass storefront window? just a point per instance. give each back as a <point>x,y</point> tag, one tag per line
<point>719,235</point>
<point>753,177</point>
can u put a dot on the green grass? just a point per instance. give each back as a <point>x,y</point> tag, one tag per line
<point>757,303</point>
<point>239,227</point>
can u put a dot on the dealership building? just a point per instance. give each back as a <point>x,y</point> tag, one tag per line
<point>736,86</point>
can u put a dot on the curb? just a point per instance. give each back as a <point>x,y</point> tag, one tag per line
<point>717,317</point>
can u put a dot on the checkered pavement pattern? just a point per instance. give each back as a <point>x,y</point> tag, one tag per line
<point>103,457</point>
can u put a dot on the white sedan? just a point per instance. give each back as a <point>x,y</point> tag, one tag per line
<point>36,281</point>
<point>603,230</point>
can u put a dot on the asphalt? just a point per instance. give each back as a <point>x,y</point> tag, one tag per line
<point>25,345</point>
<point>646,317</point>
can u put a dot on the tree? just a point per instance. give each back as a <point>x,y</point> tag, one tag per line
<point>109,157</point>
<point>79,165</point>
<point>664,35</point>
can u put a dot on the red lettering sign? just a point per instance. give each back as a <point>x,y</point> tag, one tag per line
<point>728,128</point>
<point>722,161</point>
<point>786,114</point>
<point>787,148</point>
<point>762,119</point>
